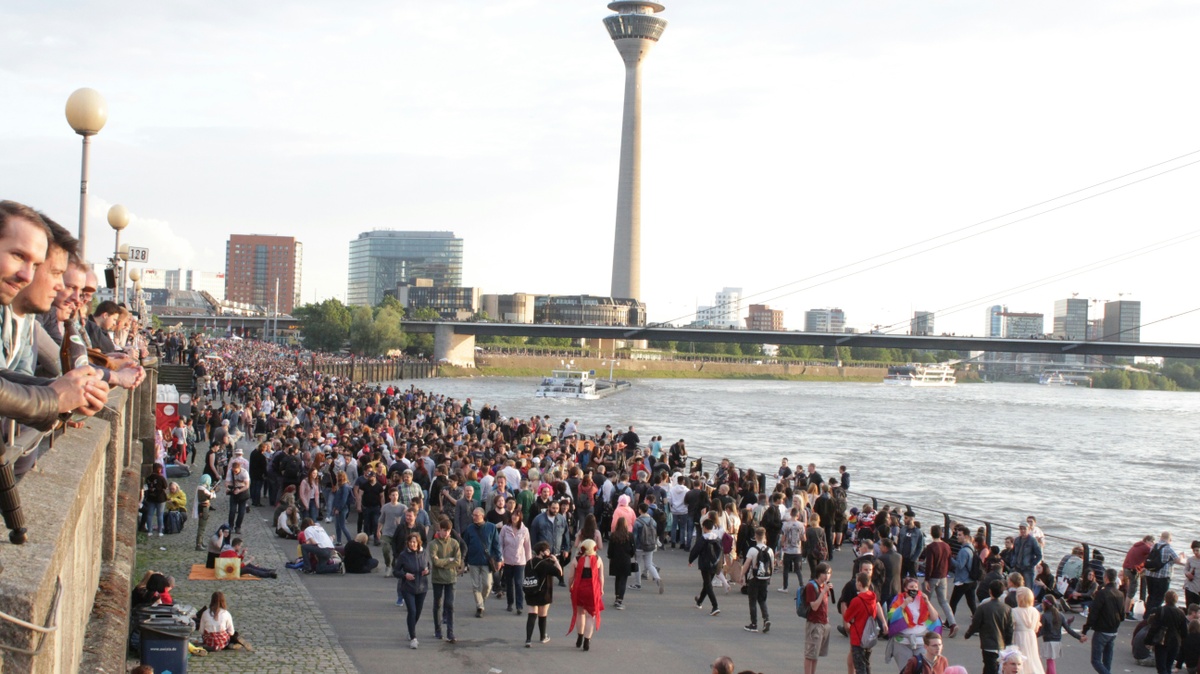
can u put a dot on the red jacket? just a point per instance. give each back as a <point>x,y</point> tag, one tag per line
<point>861,609</point>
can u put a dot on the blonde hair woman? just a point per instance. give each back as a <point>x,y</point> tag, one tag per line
<point>1026,623</point>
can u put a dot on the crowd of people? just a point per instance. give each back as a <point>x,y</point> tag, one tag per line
<point>441,488</point>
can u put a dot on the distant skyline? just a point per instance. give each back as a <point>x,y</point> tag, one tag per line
<point>779,143</point>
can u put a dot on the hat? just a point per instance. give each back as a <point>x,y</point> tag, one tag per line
<point>408,471</point>
<point>237,451</point>
<point>588,546</point>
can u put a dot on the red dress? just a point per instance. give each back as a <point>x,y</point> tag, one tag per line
<point>585,591</point>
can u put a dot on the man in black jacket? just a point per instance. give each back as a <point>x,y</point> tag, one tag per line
<point>993,622</point>
<point>1105,617</point>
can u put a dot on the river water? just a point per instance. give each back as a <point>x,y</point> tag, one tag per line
<point>1103,466</point>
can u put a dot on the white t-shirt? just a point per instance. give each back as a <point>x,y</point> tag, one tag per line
<point>221,622</point>
<point>316,535</point>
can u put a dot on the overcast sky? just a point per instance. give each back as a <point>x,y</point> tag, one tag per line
<point>782,139</point>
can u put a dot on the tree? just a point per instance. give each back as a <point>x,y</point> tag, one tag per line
<point>390,302</point>
<point>372,335</point>
<point>325,326</point>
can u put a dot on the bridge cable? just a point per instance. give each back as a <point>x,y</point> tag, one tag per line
<point>963,229</point>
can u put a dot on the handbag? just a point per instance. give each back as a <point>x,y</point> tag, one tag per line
<point>634,568</point>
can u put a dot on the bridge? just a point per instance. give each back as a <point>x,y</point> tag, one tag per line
<point>455,341</point>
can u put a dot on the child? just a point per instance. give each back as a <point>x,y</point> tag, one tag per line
<point>248,567</point>
<point>1052,628</point>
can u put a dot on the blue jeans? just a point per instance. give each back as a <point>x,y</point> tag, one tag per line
<point>1102,652</point>
<point>339,527</point>
<point>237,511</point>
<point>413,604</point>
<point>514,587</point>
<point>443,608</point>
<point>313,510</point>
<point>370,518</point>
<point>681,530</point>
<point>154,516</point>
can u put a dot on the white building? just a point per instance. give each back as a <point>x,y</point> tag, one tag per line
<point>726,312</point>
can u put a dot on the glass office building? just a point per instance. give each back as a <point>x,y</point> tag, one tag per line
<point>382,259</point>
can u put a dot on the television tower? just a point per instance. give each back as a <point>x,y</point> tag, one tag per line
<point>634,29</point>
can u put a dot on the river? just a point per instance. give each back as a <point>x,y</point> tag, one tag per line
<point>1103,466</point>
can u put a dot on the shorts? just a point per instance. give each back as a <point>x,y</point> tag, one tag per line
<point>1131,583</point>
<point>816,640</point>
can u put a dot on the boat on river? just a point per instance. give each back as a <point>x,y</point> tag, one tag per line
<point>578,384</point>
<point>1059,378</point>
<point>921,374</point>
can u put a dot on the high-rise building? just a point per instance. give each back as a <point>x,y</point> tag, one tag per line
<point>825,320</point>
<point>1122,321</point>
<point>921,323</point>
<point>382,259</point>
<point>1070,318</point>
<point>763,317</point>
<point>725,313</point>
<point>1020,325</point>
<point>255,265</point>
<point>454,303</point>
<point>995,324</point>
<point>634,29</point>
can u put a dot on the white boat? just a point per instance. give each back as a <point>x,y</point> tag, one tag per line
<point>919,374</point>
<point>578,384</point>
<point>1057,378</point>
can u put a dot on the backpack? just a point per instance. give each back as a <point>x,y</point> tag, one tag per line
<point>771,518</point>
<point>764,563</point>
<point>819,552</point>
<point>975,570</point>
<point>648,539</point>
<point>870,633</point>
<point>530,581</point>
<point>1155,561</point>
<point>839,503</point>
<point>712,552</point>
<point>801,605</point>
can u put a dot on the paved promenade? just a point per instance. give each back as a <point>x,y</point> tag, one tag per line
<point>333,623</point>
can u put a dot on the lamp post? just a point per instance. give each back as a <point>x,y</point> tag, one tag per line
<point>118,219</point>
<point>123,271</point>
<point>135,275</point>
<point>87,112</point>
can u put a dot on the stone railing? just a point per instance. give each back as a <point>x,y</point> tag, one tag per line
<point>70,582</point>
<point>374,370</point>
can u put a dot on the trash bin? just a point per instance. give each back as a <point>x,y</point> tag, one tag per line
<point>164,645</point>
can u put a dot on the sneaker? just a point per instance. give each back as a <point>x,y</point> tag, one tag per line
<point>782,589</point>
<point>399,602</point>
<point>766,626</point>
<point>545,640</point>
<point>161,533</point>
<point>661,587</point>
<point>715,611</point>
<point>450,639</point>
<point>479,613</point>
<point>437,635</point>
<point>697,601</point>
<point>637,587</point>
<point>413,644</point>
<point>751,628</point>
<point>519,611</point>
<point>528,644</point>
<point>620,606</point>
<point>953,631</point>
<point>328,520</point>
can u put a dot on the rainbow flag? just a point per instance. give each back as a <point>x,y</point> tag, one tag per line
<point>900,617</point>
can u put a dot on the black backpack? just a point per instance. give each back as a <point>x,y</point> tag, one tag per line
<point>764,563</point>
<point>1155,561</point>
<point>975,570</point>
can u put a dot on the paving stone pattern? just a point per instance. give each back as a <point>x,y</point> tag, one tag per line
<point>279,617</point>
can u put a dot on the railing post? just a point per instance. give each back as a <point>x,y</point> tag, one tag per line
<point>988,533</point>
<point>946,526</point>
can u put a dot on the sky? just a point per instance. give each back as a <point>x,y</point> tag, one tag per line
<point>781,140</point>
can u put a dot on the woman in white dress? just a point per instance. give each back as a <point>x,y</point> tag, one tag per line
<point>1026,624</point>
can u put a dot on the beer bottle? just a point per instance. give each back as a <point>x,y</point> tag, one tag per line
<point>73,353</point>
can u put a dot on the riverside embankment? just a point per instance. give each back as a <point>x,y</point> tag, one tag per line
<point>504,365</point>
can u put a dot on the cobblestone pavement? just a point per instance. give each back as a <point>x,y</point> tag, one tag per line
<point>279,617</point>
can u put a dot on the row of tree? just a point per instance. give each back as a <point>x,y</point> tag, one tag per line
<point>333,327</point>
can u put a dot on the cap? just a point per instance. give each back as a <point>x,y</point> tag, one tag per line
<point>1023,525</point>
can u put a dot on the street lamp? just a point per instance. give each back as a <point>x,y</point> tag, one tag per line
<point>118,219</point>
<point>135,275</point>
<point>123,257</point>
<point>87,112</point>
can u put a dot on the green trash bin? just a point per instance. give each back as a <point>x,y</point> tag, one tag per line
<point>164,645</point>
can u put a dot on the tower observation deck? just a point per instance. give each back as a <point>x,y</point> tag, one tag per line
<point>634,29</point>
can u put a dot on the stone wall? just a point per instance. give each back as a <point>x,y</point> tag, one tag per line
<point>81,534</point>
<point>632,368</point>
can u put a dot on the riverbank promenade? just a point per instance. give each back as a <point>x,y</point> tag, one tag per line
<point>350,623</point>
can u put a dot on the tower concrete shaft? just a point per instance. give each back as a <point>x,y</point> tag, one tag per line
<point>634,29</point>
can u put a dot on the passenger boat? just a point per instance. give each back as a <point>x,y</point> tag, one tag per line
<point>1058,378</point>
<point>578,384</point>
<point>919,374</point>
